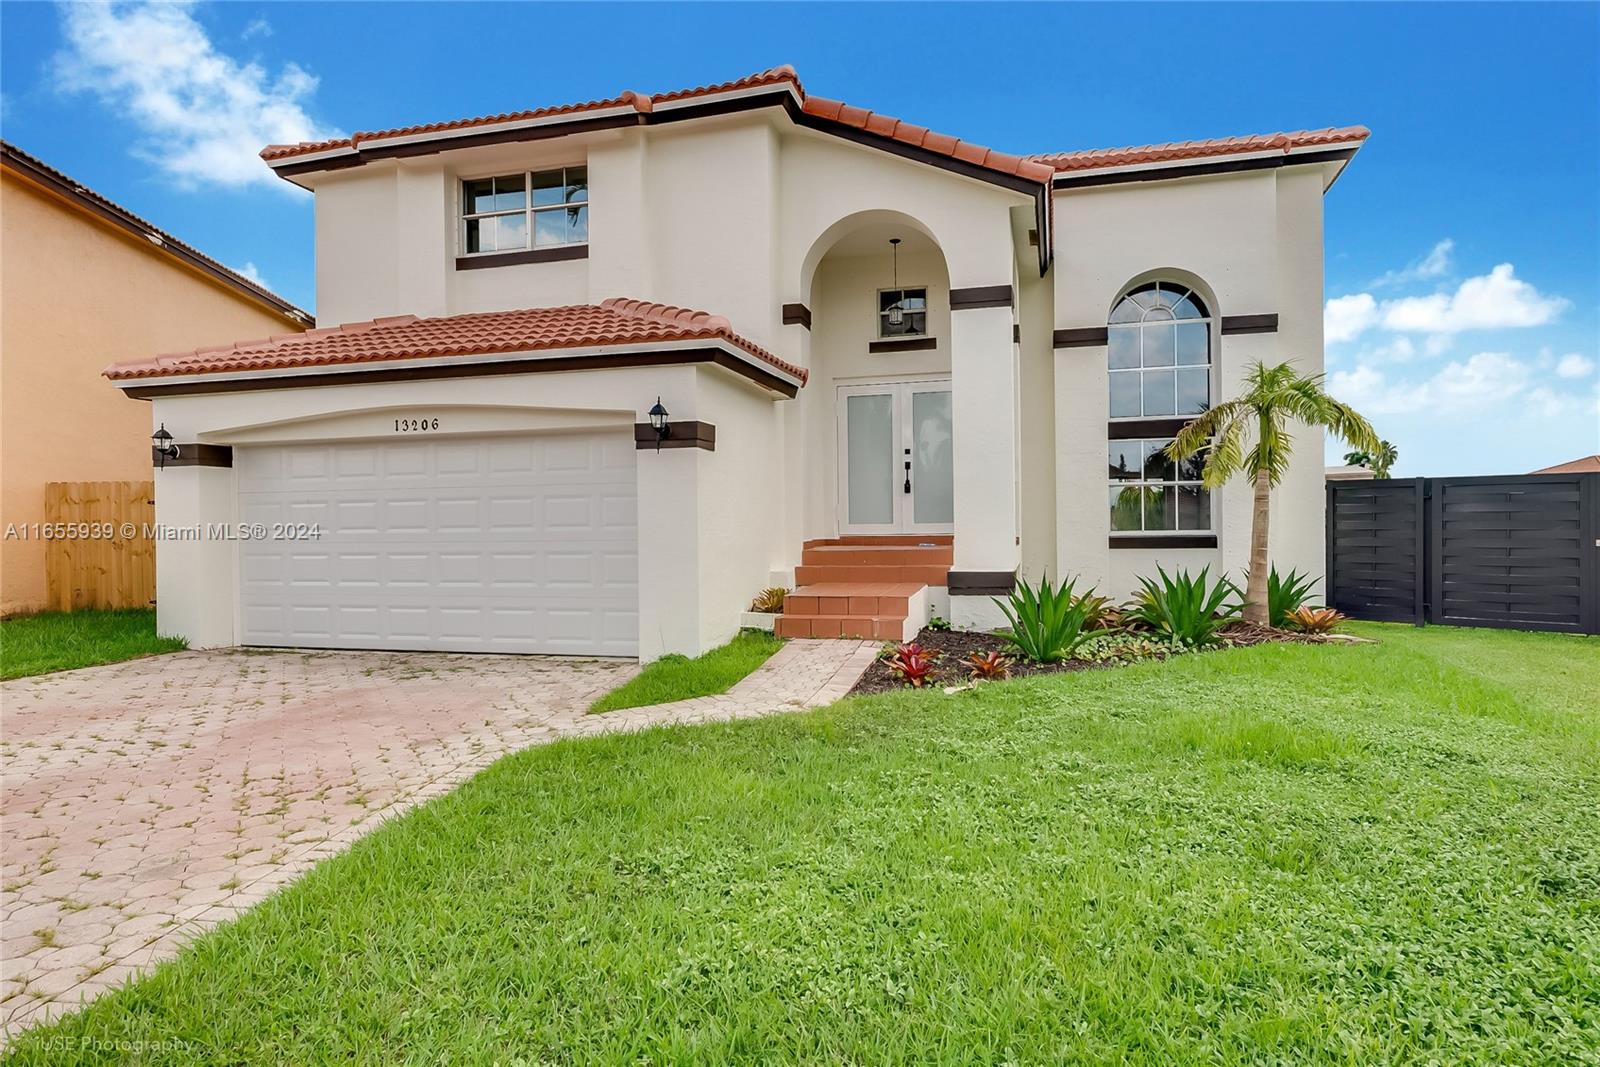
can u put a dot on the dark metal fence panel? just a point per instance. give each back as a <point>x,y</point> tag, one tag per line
<point>1519,552</point>
<point>1376,542</point>
<point>1516,553</point>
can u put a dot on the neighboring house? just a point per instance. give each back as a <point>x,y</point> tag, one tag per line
<point>1581,465</point>
<point>85,281</point>
<point>475,443</point>
<point>1348,474</point>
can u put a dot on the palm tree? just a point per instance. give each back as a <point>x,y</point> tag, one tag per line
<point>1378,462</point>
<point>1259,418</point>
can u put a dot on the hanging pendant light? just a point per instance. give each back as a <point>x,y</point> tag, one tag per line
<point>897,313</point>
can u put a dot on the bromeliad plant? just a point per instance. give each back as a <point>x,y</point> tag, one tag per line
<point>1315,620</point>
<point>989,667</point>
<point>1249,435</point>
<point>912,664</point>
<point>1183,609</point>
<point>1102,613</point>
<point>770,601</point>
<point>1048,623</point>
<point>1285,594</point>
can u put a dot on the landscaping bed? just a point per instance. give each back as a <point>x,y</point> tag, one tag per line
<point>955,648</point>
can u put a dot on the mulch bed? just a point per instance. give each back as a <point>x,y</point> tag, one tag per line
<point>955,649</point>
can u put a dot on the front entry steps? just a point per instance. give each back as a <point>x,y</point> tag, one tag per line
<point>874,588</point>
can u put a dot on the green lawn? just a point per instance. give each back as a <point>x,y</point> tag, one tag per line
<point>1373,854</point>
<point>679,678</point>
<point>62,641</point>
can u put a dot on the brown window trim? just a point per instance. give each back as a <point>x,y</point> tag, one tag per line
<point>1165,540</point>
<point>797,315</point>
<point>908,344</point>
<point>980,583</point>
<point>194,454</point>
<point>1081,337</point>
<point>689,434</point>
<point>1136,429</point>
<point>1232,324</point>
<point>527,255</point>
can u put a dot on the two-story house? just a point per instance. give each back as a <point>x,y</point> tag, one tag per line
<point>894,366</point>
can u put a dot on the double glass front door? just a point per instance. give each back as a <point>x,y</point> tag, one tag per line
<point>896,472</point>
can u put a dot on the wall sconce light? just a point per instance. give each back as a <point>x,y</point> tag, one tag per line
<point>658,421</point>
<point>162,440</point>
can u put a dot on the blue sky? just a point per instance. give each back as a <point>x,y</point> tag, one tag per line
<point>1463,246</point>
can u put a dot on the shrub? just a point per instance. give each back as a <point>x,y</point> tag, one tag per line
<point>770,601</point>
<point>912,664</point>
<point>1186,610</point>
<point>1315,620</point>
<point>1286,594</point>
<point>989,667</point>
<point>1102,613</point>
<point>938,624</point>
<point>1048,623</point>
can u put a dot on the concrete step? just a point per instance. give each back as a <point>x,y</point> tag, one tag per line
<point>919,574</point>
<point>882,539</point>
<point>877,555</point>
<point>866,627</point>
<point>852,598</point>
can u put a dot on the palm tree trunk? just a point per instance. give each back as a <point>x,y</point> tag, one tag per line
<point>1255,594</point>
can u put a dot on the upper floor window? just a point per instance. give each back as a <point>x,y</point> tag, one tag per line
<point>1159,342</point>
<point>903,312</point>
<point>538,209</point>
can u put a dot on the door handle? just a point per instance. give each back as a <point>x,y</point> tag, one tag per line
<point>908,476</point>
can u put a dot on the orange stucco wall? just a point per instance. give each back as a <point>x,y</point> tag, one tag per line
<point>76,294</point>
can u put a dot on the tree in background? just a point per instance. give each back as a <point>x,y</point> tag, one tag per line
<point>1249,435</point>
<point>1378,462</point>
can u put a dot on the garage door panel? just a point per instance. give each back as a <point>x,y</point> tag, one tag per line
<point>505,544</point>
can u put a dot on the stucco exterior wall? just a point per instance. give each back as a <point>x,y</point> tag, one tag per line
<point>1252,244</point>
<point>79,294</point>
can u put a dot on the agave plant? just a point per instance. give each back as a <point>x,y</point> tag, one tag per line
<point>912,664</point>
<point>989,666</point>
<point>1184,609</point>
<point>1047,623</point>
<point>1285,594</point>
<point>1315,620</point>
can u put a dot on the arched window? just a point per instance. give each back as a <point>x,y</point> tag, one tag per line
<point>1159,342</point>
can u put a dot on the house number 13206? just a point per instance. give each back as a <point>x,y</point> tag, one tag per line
<point>415,425</point>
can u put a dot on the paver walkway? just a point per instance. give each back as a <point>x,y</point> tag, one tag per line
<point>145,802</point>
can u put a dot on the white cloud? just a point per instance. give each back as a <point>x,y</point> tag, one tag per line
<point>1573,365</point>
<point>249,271</point>
<point>204,115</point>
<point>1497,300</point>
<point>257,27</point>
<point>1433,265</point>
<point>1485,381</point>
<point>1346,317</point>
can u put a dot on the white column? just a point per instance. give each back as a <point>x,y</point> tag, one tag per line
<point>196,581</point>
<point>1082,550</point>
<point>983,368</point>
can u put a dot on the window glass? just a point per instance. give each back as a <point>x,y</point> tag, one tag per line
<point>1124,394</point>
<point>1159,397</point>
<point>578,224</point>
<point>913,304</point>
<point>1153,328</point>
<point>477,196</point>
<point>577,185</point>
<point>1159,341</point>
<point>549,189</point>
<point>1124,348</point>
<point>1149,492</point>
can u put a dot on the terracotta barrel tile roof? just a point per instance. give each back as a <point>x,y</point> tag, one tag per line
<point>1162,153</point>
<point>618,321</point>
<point>817,107</point>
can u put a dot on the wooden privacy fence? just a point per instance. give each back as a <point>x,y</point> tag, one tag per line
<point>1520,552</point>
<point>99,553</point>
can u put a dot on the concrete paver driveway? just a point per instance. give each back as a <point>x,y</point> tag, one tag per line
<point>145,802</point>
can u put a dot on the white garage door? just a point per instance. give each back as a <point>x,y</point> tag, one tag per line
<point>492,544</point>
